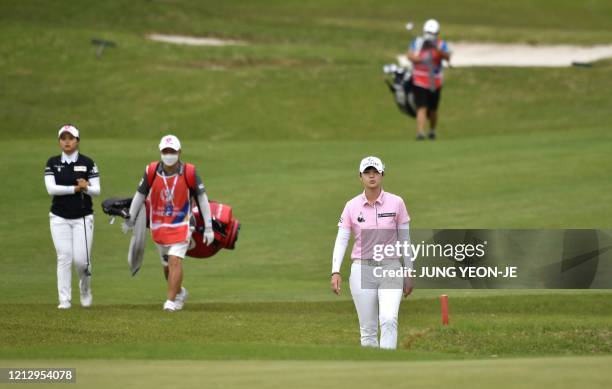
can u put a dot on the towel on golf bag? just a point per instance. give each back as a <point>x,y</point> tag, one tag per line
<point>400,85</point>
<point>225,228</point>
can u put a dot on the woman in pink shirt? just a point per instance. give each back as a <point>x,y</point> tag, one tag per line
<point>377,219</point>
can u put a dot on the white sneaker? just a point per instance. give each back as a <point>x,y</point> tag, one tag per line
<point>180,299</point>
<point>64,305</point>
<point>86,299</point>
<point>170,306</point>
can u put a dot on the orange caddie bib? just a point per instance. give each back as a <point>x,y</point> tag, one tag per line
<point>170,208</point>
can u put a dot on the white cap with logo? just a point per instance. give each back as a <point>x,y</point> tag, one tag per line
<point>431,26</point>
<point>371,161</point>
<point>170,142</point>
<point>69,129</point>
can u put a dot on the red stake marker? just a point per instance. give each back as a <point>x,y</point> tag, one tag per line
<point>444,304</point>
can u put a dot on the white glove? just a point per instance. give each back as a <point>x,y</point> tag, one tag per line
<point>209,237</point>
<point>128,225</point>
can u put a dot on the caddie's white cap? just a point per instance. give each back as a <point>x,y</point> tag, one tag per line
<point>372,161</point>
<point>70,129</point>
<point>431,26</point>
<point>170,142</point>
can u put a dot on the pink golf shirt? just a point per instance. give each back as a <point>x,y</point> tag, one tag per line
<point>387,213</point>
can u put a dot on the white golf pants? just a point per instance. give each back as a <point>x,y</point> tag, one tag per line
<point>72,239</point>
<point>376,303</point>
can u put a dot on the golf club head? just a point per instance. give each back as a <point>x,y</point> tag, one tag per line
<point>390,68</point>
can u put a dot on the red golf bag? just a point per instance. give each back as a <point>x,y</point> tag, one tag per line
<point>225,228</point>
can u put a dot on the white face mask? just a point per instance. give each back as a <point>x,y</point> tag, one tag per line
<point>169,159</point>
<point>430,37</point>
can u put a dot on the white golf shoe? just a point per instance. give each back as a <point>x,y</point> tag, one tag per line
<point>86,299</point>
<point>170,306</point>
<point>64,305</point>
<point>180,299</point>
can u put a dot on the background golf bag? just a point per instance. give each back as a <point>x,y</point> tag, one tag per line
<point>225,227</point>
<point>400,85</point>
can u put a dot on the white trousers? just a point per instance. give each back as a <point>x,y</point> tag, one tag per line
<point>375,305</point>
<point>72,239</point>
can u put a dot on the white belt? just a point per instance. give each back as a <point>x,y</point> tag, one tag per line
<point>373,262</point>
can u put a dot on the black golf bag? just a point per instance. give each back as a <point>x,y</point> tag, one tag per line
<point>400,85</point>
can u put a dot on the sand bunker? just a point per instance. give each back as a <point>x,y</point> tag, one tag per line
<point>464,53</point>
<point>193,41</point>
<point>521,55</point>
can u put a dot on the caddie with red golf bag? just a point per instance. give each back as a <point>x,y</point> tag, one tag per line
<point>172,203</point>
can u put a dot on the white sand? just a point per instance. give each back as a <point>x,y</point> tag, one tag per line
<point>464,53</point>
<point>192,41</point>
<point>521,55</point>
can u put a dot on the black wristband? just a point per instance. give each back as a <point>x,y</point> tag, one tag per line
<point>336,272</point>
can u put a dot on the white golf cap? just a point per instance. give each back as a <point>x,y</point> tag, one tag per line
<point>371,161</point>
<point>170,142</point>
<point>70,129</point>
<point>431,26</point>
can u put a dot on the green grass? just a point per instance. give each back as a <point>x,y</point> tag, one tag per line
<point>329,77</point>
<point>276,129</point>
<point>481,327</point>
<point>563,373</point>
<point>501,373</point>
<point>286,244</point>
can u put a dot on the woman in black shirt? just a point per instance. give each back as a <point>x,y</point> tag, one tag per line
<point>72,179</point>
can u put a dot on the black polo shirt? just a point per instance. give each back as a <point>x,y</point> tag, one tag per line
<point>78,204</point>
